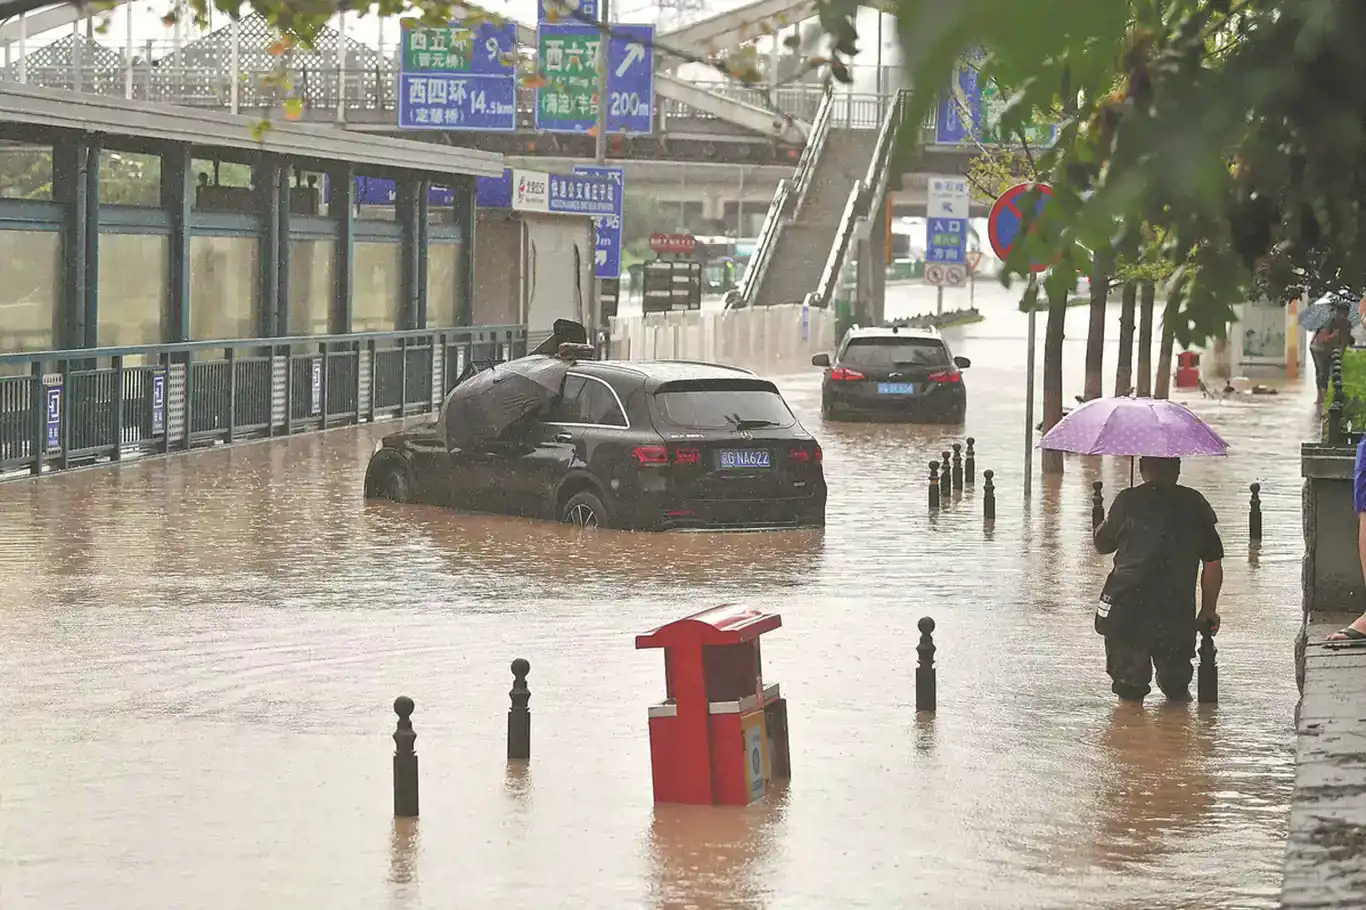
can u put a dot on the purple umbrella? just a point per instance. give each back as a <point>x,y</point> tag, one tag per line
<point>1134,427</point>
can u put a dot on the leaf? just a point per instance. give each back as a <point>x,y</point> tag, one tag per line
<point>259,129</point>
<point>535,80</point>
<point>294,108</point>
<point>278,48</point>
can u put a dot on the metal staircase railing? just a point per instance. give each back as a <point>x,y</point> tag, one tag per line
<point>787,202</point>
<point>863,200</point>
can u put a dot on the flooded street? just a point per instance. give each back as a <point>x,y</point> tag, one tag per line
<point>202,653</point>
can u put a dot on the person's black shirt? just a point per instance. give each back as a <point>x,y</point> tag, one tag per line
<point>1160,534</point>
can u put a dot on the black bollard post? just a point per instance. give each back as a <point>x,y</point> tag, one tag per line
<point>945,478</point>
<point>1207,683</point>
<point>1097,504</point>
<point>970,464</point>
<point>1254,514</point>
<point>924,671</point>
<point>934,485</point>
<point>957,466</point>
<point>519,715</point>
<point>405,760</point>
<point>1335,437</point>
<point>988,496</point>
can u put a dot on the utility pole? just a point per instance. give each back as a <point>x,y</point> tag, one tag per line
<point>600,149</point>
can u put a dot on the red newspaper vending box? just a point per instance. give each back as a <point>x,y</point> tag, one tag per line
<point>720,735</point>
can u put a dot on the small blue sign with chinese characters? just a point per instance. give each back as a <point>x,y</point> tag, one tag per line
<point>54,415</point>
<point>607,228</point>
<point>947,241</point>
<point>566,11</point>
<point>579,194</point>
<point>158,403</point>
<point>481,96</point>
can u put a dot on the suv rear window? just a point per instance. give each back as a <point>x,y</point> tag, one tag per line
<point>895,352</point>
<point>721,404</point>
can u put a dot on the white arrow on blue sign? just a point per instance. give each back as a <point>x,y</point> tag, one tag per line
<point>607,228</point>
<point>630,80</point>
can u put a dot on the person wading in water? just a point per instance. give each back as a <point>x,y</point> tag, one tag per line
<point>1160,533</point>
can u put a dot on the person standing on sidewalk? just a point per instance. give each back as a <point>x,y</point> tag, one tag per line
<point>1356,630</point>
<point>1162,534</point>
<point>1333,337</point>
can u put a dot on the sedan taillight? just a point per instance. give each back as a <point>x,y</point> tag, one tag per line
<point>844,374</point>
<point>946,376</point>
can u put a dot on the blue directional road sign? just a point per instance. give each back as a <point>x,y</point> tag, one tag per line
<point>567,61</point>
<point>607,228</point>
<point>457,80</point>
<point>947,223</point>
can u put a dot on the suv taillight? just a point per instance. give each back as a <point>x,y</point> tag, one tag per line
<point>659,455</point>
<point>845,374</point>
<point>806,455</point>
<point>651,454</point>
<point>946,376</point>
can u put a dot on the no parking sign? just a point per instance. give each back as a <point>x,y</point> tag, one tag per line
<point>1007,217</point>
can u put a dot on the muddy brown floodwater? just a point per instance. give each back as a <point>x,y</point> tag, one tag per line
<point>201,654</point>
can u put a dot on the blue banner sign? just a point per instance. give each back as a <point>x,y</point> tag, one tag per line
<point>469,84</point>
<point>317,389</point>
<point>53,395</point>
<point>383,191</point>
<point>607,228</point>
<point>494,192</point>
<point>158,403</point>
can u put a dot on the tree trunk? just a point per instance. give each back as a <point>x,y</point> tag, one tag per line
<point>1148,292</point>
<point>1052,374</point>
<point>1163,385</point>
<point>1124,380</point>
<point>1095,334</point>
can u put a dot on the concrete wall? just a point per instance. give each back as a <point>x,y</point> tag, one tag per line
<point>497,268</point>
<point>776,340</point>
<point>1332,578</point>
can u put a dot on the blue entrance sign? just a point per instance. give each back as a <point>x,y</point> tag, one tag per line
<point>158,403</point>
<point>607,228</point>
<point>1006,218</point>
<point>567,61</point>
<point>54,414</point>
<point>474,91</point>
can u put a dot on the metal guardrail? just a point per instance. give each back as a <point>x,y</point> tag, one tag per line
<point>82,407</point>
<point>862,197</point>
<point>372,90</point>
<point>786,203</point>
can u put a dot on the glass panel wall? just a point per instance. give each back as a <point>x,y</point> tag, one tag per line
<point>30,289</point>
<point>310,285</point>
<point>443,283</point>
<point>130,178</point>
<point>225,288</point>
<point>25,171</point>
<point>377,281</point>
<point>134,289</point>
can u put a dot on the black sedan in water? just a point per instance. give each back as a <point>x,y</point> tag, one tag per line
<point>638,445</point>
<point>895,373</point>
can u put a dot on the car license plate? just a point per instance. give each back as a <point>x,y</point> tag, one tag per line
<point>896,388</point>
<point>743,458</point>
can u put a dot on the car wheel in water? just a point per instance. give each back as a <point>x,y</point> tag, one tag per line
<point>584,511</point>
<point>827,411</point>
<point>393,484</point>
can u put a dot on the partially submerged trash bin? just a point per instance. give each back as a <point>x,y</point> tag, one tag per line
<point>720,734</point>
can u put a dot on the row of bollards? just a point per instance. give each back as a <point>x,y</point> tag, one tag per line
<point>926,686</point>
<point>405,756</point>
<point>1254,509</point>
<point>953,471</point>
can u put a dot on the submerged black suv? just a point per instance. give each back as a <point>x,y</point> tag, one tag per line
<point>630,445</point>
<point>893,372</point>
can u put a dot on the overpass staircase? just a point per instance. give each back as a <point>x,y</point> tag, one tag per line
<point>809,234</point>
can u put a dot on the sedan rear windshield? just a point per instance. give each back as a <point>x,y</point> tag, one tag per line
<point>725,404</point>
<point>895,352</point>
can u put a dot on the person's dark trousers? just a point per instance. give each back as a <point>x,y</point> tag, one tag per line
<point>1131,658</point>
<point>1323,365</point>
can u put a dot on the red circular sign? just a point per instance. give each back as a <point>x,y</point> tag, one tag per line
<point>672,243</point>
<point>1006,219</point>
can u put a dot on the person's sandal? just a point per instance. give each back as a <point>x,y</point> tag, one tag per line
<point>1351,638</point>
